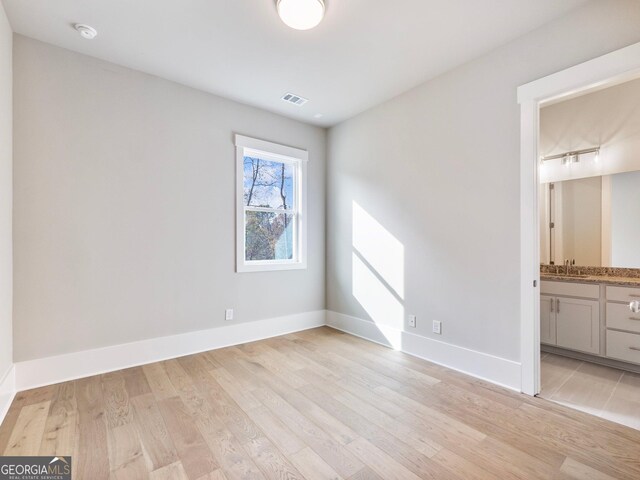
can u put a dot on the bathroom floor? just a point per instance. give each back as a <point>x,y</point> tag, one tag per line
<point>602,391</point>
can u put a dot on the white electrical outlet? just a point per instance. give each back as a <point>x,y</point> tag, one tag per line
<point>412,321</point>
<point>437,327</point>
<point>228,314</point>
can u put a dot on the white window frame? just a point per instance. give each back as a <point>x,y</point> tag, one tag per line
<point>247,146</point>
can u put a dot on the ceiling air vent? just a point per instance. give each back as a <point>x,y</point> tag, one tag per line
<point>295,99</point>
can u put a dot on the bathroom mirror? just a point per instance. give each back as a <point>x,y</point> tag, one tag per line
<point>592,221</point>
<point>589,172</point>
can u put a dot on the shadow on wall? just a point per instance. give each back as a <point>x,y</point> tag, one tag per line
<point>378,274</point>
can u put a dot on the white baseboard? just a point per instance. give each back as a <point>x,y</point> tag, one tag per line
<point>47,371</point>
<point>61,368</point>
<point>7,391</point>
<point>487,367</point>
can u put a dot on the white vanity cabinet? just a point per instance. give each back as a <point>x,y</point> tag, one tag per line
<point>567,321</point>
<point>591,320</point>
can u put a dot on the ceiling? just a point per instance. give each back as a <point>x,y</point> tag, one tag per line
<point>363,53</point>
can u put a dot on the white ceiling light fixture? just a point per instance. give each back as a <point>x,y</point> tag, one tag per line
<point>86,31</point>
<point>301,14</point>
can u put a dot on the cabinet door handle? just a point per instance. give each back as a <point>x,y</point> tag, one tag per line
<point>551,303</point>
<point>558,305</point>
<point>634,318</point>
<point>637,349</point>
<point>633,295</point>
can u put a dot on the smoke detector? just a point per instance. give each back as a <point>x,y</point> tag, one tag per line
<point>295,99</point>
<point>86,31</point>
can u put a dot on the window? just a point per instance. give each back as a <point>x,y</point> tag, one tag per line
<point>271,206</point>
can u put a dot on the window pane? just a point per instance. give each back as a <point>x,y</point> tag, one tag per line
<point>268,183</point>
<point>269,236</point>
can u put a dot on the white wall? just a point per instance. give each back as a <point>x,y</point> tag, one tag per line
<point>437,169</point>
<point>6,182</point>
<point>625,220</point>
<point>124,207</point>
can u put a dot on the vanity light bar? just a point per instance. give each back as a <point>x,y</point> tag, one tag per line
<point>574,154</point>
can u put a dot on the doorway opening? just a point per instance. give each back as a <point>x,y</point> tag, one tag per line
<point>571,181</point>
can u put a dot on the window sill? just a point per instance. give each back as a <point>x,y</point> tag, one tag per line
<point>270,267</point>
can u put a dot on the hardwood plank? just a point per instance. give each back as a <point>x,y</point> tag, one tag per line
<point>180,379</point>
<point>26,437</point>
<point>126,459</point>
<point>243,398</point>
<point>36,395</point>
<point>173,471</point>
<point>333,427</point>
<point>331,451</point>
<point>155,439</point>
<point>580,471</point>
<point>402,452</point>
<point>159,381</point>
<point>217,475</point>
<point>8,424</point>
<point>463,467</point>
<point>380,462</point>
<point>422,443</point>
<point>92,456</point>
<point>235,462</point>
<point>312,466</point>
<point>192,450</point>
<point>446,423</point>
<point>268,458</point>
<point>276,431</point>
<point>365,474</point>
<point>135,382</point>
<point>116,399</point>
<point>62,423</point>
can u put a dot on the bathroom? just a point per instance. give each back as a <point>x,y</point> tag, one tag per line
<point>589,201</point>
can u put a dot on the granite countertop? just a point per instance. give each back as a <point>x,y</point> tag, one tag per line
<point>606,279</point>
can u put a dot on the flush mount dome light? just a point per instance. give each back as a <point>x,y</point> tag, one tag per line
<point>301,14</point>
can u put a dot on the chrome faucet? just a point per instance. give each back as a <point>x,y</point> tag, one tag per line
<point>567,266</point>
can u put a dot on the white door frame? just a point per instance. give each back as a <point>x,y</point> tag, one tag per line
<point>615,67</point>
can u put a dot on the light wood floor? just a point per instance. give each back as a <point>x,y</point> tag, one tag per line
<point>603,391</point>
<point>317,405</point>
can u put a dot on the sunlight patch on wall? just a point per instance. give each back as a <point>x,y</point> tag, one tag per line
<point>381,304</point>
<point>379,248</point>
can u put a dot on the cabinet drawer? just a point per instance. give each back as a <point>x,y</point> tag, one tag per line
<point>585,290</point>
<point>619,316</point>
<point>622,345</point>
<point>623,294</point>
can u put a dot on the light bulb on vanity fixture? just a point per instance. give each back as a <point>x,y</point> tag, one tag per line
<point>301,14</point>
